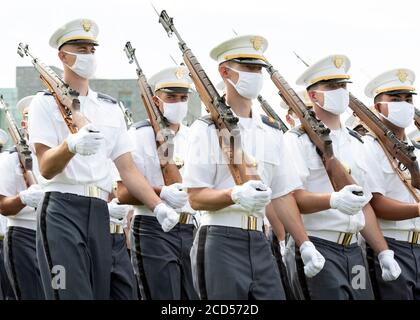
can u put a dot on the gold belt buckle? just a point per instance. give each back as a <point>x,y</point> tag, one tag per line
<point>345,238</point>
<point>93,191</point>
<point>184,218</point>
<point>116,228</point>
<point>252,223</point>
<point>414,237</point>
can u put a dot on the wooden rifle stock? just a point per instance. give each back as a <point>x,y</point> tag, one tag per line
<point>241,166</point>
<point>163,134</point>
<point>315,129</point>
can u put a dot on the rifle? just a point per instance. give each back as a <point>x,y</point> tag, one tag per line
<point>271,113</point>
<point>316,131</point>
<point>67,98</point>
<point>128,116</point>
<point>22,148</point>
<point>240,164</point>
<point>164,136</point>
<point>388,140</point>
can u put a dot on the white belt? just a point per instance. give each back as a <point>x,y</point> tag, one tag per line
<point>342,238</point>
<point>116,228</point>
<point>232,219</point>
<point>403,235</point>
<point>81,190</point>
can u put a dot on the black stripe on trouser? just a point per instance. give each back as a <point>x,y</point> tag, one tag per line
<point>139,258</point>
<point>201,275</point>
<point>43,225</point>
<point>13,274</point>
<point>370,257</point>
<point>275,247</point>
<point>300,268</point>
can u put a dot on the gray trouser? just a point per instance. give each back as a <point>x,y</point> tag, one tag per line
<point>123,281</point>
<point>236,264</point>
<point>407,285</point>
<point>6,292</point>
<point>161,260</point>
<point>344,276</point>
<point>74,247</point>
<point>21,263</point>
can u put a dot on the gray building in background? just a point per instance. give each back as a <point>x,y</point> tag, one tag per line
<point>125,90</point>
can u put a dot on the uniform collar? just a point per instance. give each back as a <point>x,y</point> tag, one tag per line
<point>256,118</point>
<point>92,95</point>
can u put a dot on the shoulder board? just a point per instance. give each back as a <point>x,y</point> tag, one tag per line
<point>416,144</point>
<point>206,119</point>
<point>298,130</point>
<point>46,92</point>
<point>141,124</point>
<point>355,135</point>
<point>270,122</point>
<point>106,97</point>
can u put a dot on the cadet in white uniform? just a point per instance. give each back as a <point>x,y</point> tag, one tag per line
<point>6,291</point>
<point>74,247</point>
<point>231,257</point>
<point>395,207</point>
<point>333,219</point>
<point>161,257</point>
<point>18,203</point>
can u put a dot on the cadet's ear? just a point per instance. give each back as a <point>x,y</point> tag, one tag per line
<point>223,71</point>
<point>61,55</point>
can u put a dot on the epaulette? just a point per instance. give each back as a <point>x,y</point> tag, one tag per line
<point>355,135</point>
<point>415,143</point>
<point>141,124</point>
<point>206,119</point>
<point>106,97</point>
<point>298,130</point>
<point>271,122</point>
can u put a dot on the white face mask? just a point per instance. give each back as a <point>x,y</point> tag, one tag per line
<point>400,113</point>
<point>175,112</point>
<point>335,101</point>
<point>249,84</point>
<point>84,66</point>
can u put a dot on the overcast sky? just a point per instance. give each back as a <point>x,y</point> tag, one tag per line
<point>377,35</point>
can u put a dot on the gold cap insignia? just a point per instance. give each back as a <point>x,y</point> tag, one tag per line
<point>180,73</point>
<point>338,61</point>
<point>402,75</point>
<point>257,42</point>
<point>86,24</point>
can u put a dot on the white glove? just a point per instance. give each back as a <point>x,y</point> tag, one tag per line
<point>167,217</point>
<point>249,198</point>
<point>312,259</point>
<point>31,196</point>
<point>187,209</point>
<point>118,211</point>
<point>174,196</point>
<point>348,202</point>
<point>86,141</point>
<point>390,268</point>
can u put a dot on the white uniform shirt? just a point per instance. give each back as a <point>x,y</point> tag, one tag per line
<point>206,166</point>
<point>47,126</point>
<point>11,184</point>
<point>147,160</point>
<point>387,183</point>
<point>313,175</point>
